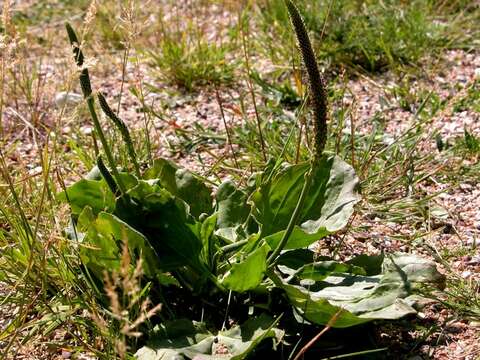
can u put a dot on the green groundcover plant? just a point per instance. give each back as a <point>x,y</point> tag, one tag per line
<point>234,270</point>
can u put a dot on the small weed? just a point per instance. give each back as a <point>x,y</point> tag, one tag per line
<point>188,59</point>
<point>463,297</point>
<point>471,100</point>
<point>469,143</point>
<point>191,64</point>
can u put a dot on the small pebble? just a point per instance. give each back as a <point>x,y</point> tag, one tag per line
<point>475,260</point>
<point>477,73</point>
<point>421,315</point>
<point>67,99</point>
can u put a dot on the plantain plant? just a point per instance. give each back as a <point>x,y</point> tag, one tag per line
<point>236,268</point>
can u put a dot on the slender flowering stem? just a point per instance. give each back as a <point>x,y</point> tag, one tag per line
<point>318,93</point>
<point>320,110</point>
<point>87,94</point>
<point>123,131</point>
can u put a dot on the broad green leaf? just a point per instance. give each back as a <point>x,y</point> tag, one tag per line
<point>93,193</point>
<point>275,200</point>
<point>209,240</point>
<point>419,271</point>
<point>321,269</point>
<point>188,340</point>
<point>232,210</point>
<point>240,341</point>
<point>102,246</point>
<point>327,208</point>
<point>165,221</point>
<point>77,230</point>
<point>247,274</point>
<point>303,264</point>
<point>388,295</point>
<point>173,340</point>
<point>371,263</point>
<point>298,239</point>
<point>183,184</point>
<point>295,259</point>
<point>314,309</point>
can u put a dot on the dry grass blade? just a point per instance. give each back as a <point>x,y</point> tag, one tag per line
<point>308,345</point>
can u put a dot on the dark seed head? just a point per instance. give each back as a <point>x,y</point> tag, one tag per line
<point>318,94</point>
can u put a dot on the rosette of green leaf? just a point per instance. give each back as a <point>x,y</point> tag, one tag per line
<point>186,339</point>
<point>284,209</point>
<point>158,227</point>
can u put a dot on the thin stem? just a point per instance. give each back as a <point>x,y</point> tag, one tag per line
<point>107,177</point>
<point>2,90</point>
<point>106,148</point>
<point>352,135</point>
<point>252,93</point>
<point>227,310</point>
<point>299,143</point>
<point>220,104</point>
<point>307,346</point>
<point>122,127</point>
<point>234,246</point>
<point>228,248</point>
<point>146,118</point>
<point>124,70</point>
